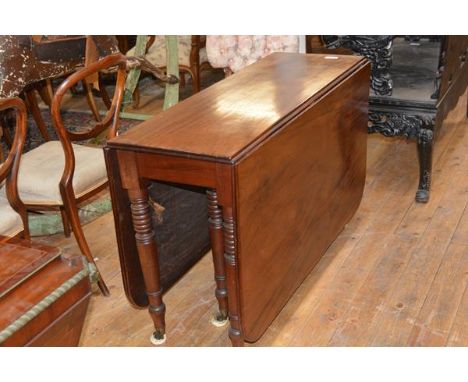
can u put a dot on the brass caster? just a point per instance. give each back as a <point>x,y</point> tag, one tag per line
<point>157,338</point>
<point>219,320</point>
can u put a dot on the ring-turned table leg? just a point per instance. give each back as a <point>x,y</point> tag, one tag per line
<point>217,249</point>
<point>147,252</point>
<point>235,331</point>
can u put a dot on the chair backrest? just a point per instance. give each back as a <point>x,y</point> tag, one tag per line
<point>9,168</point>
<point>111,119</point>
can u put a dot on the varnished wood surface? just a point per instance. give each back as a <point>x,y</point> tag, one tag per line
<point>335,109</point>
<point>47,328</point>
<point>295,193</point>
<point>223,120</point>
<point>17,263</point>
<point>395,276</point>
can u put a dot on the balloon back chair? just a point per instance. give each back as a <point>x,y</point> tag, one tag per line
<point>61,174</point>
<point>13,214</point>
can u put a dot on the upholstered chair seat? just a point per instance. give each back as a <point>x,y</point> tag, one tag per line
<point>10,221</point>
<point>157,51</point>
<point>41,170</point>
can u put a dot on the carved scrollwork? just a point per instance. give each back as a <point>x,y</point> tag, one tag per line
<point>378,49</point>
<point>397,124</point>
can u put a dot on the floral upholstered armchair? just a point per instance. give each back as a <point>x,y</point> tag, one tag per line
<point>235,52</point>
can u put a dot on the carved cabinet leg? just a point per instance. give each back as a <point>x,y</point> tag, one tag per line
<point>235,331</point>
<point>147,252</point>
<point>425,139</point>
<point>217,249</point>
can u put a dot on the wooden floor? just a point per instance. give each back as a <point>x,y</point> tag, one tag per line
<point>396,276</point>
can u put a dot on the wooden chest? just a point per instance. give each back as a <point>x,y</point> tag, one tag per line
<point>44,295</point>
<point>280,149</point>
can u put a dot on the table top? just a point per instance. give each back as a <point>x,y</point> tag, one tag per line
<point>19,262</point>
<point>235,114</point>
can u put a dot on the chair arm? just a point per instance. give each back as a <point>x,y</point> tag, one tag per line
<point>110,120</point>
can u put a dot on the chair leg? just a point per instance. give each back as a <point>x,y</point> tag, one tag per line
<point>44,89</point>
<point>66,224</point>
<point>136,98</point>
<point>104,95</point>
<point>195,81</point>
<point>182,79</point>
<point>91,102</point>
<point>71,209</point>
<point>31,103</point>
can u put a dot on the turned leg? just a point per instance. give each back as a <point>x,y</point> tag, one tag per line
<point>217,250</point>
<point>31,103</point>
<point>425,139</point>
<point>235,331</point>
<point>147,252</point>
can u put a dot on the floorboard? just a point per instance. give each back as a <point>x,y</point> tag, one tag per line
<point>397,275</point>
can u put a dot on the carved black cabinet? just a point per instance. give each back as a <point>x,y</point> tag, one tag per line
<point>415,82</point>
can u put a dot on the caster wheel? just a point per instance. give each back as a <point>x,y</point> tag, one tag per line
<point>157,339</point>
<point>219,320</point>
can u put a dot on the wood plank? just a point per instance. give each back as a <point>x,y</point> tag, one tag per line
<point>323,319</point>
<point>461,233</point>
<point>376,188</point>
<point>113,322</point>
<point>459,332</point>
<point>401,309</point>
<point>357,325</point>
<point>285,326</point>
<point>438,312</point>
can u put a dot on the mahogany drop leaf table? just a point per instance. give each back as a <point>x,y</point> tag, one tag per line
<point>280,149</point>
